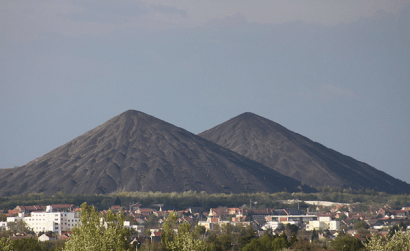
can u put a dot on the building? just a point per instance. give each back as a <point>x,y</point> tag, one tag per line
<point>210,223</point>
<point>3,225</point>
<point>323,223</point>
<point>48,220</point>
<point>272,225</point>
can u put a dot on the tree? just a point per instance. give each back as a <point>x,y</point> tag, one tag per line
<point>360,225</point>
<point>5,244</point>
<point>19,227</point>
<point>399,241</point>
<point>25,244</point>
<point>268,243</point>
<point>347,242</point>
<point>117,201</point>
<point>314,236</point>
<point>184,240</point>
<point>95,233</point>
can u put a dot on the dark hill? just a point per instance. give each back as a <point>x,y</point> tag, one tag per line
<point>137,152</point>
<point>298,157</point>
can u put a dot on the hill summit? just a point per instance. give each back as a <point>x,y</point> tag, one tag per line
<point>137,152</point>
<point>296,156</point>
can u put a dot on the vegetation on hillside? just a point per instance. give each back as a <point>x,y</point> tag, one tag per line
<point>193,199</point>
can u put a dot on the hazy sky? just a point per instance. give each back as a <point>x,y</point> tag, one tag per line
<point>337,72</point>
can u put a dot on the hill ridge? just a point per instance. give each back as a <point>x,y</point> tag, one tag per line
<point>134,151</point>
<point>296,156</point>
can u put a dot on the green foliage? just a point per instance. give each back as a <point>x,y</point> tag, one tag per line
<point>19,227</point>
<point>57,245</point>
<point>229,237</point>
<point>184,239</point>
<point>347,242</point>
<point>5,244</point>
<point>117,201</point>
<point>97,234</point>
<point>151,222</point>
<point>268,243</point>
<point>395,228</point>
<point>342,217</point>
<point>314,236</point>
<point>131,219</point>
<point>202,199</point>
<point>360,225</point>
<point>399,241</point>
<point>25,244</point>
<point>3,217</point>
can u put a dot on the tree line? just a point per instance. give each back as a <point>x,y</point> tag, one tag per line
<point>186,199</point>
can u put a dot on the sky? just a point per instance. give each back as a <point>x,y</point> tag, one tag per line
<point>337,72</point>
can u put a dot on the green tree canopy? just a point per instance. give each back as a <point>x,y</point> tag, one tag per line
<point>399,241</point>
<point>95,233</point>
<point>361,225</point>
<point>184,239</point>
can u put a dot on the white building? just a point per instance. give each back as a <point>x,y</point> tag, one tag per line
<point>210,223</point>
<point>52,221</point>
<point>272,225</point>
<point>323,223</point>
<point>3,225</point>
<point>138,228</point>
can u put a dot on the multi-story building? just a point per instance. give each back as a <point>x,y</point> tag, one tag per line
<point>324,223</point>
<point>44,221</point>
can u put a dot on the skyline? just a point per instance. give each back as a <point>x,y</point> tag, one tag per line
<point>337,73</point>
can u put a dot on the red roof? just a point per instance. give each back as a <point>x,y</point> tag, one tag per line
<point>158,233</point>
<point>146,210</point>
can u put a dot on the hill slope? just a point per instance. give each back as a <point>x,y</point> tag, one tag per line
<point>298,157</point>
<point>137,152</point>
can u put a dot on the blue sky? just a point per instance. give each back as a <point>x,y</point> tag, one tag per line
<point>336,72</point>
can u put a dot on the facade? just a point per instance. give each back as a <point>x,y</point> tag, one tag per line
<point>3,225</point>
<point>272,225</point>
<point>210,223</point>
<point>324,223</point>
<point>48,220</point>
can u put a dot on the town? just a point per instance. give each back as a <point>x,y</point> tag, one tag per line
<point>321,221</point>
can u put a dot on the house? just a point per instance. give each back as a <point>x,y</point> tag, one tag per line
<point>64,237</point>
<point>406,207</point>
<point>145,211</point>
<point>23,236</point>
<point>400,213</point>
<point>3,225</point>
<point>134,207</point>
<point>29,209</point>
<point>220,211</point>
<point>211,222</point>
<point>116,208</point>
<point>56,208</point>
<point>272,225</point>
<point>384,211</point>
